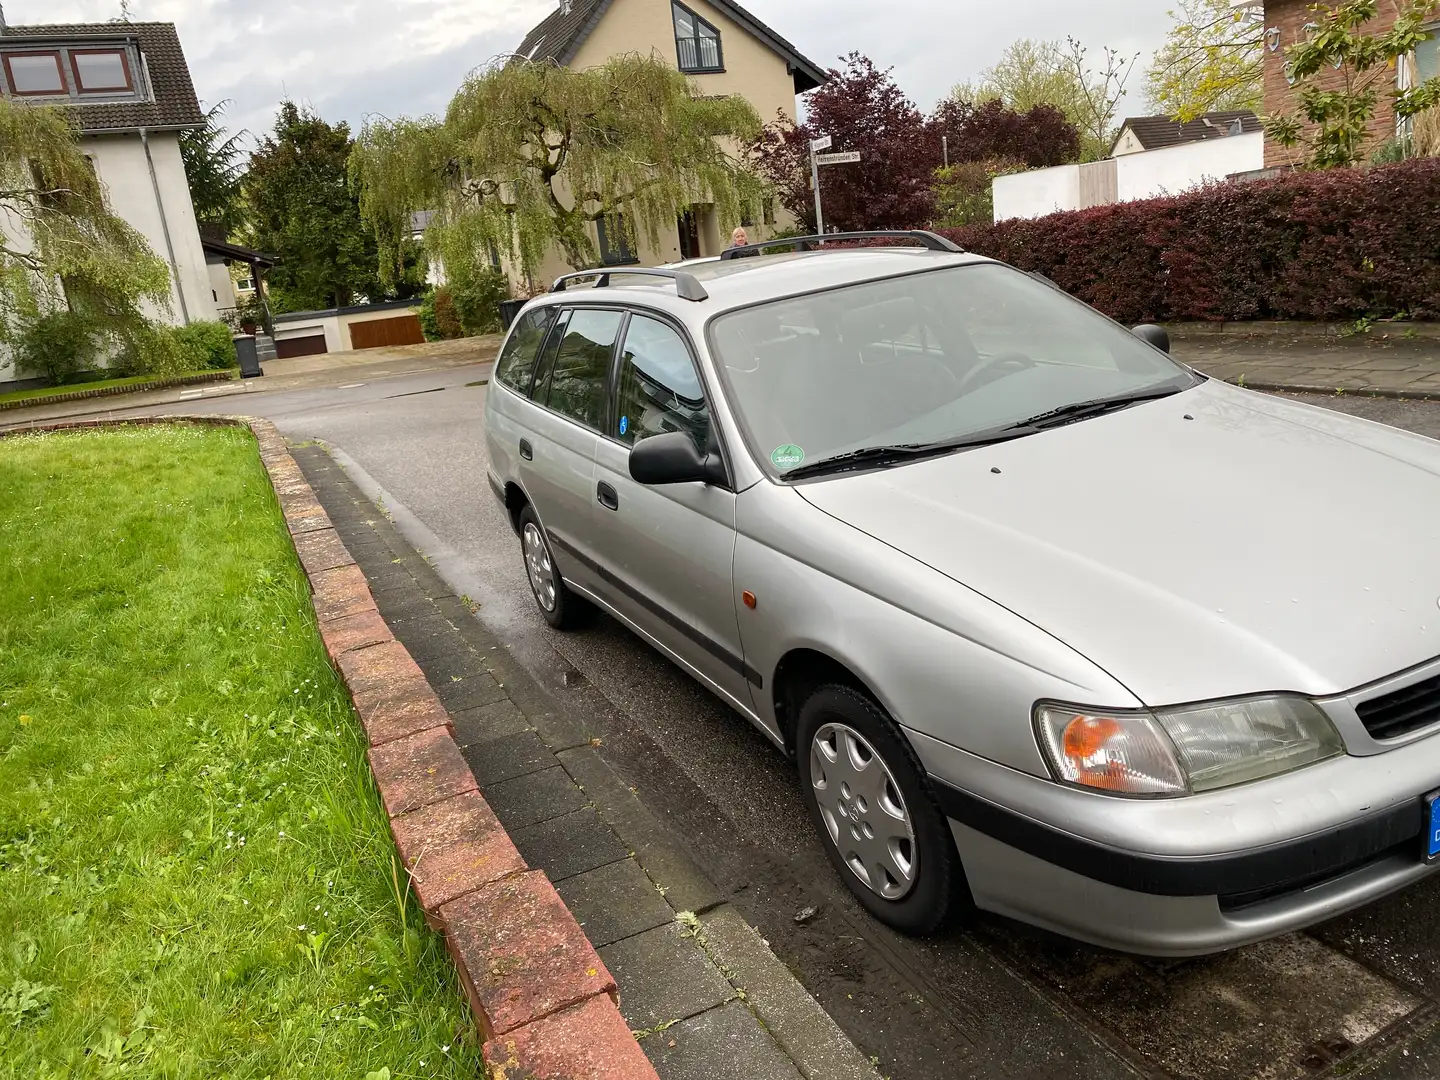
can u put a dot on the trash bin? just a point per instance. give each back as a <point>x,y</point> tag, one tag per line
<point>508,310</point>
<point>245,353</point>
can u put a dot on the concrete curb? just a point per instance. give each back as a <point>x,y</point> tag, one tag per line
<point>1296,328</point>
<point>544,1003</point>
<point>1331,391</point>
<point>60,397</point>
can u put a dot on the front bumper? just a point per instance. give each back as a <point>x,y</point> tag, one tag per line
<point>1183,877</point>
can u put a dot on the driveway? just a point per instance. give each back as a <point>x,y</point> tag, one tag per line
<point>993,999</point>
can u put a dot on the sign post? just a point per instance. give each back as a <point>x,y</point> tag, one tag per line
<point>816,145</point>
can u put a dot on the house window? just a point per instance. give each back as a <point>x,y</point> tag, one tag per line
<point>34,73</point>
<point>99,71</point>
<point>244,284</point>
<point>697,43</point>
<point>615,241</point>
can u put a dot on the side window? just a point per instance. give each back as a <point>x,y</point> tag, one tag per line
<point>659,388</point>
<point>547,356</point>
<point>581,371</point>
<point>517,361</point>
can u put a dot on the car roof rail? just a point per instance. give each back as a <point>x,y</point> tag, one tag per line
<point>687,286</point>
<point>924,237</point>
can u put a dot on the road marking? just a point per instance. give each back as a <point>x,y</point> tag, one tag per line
<point>192,393</point>
<point>350,386</point>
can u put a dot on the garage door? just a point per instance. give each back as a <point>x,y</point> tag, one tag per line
<point>376,333</point>
<point>300,346</point>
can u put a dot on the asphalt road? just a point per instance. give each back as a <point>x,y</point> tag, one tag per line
<point>990,999</point>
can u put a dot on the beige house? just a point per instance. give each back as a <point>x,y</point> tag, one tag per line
<point>721,46</point>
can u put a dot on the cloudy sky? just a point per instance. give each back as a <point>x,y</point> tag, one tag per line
<point>348,58</point>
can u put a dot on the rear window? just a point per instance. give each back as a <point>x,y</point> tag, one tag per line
<point>517,359</point>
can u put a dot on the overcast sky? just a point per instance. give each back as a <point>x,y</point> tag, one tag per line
<point>348,58</point>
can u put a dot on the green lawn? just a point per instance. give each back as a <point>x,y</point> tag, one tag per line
<point>135,381</point>
<point>196,875</point>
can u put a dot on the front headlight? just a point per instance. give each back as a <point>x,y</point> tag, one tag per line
<point>1183,750</point>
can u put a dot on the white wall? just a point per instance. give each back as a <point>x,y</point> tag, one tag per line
<point>1138,176</point>
<point>221,286</point>
<point>1179,168</point>
<point>311,326</point>
<point>120,163</point>
<point>1037,192</point>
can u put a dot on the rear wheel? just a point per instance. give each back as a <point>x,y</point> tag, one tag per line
<point>881,828</point>
<point>561,608</point>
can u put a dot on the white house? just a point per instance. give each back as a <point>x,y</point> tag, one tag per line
<point>131,91</point>
<point>1151,156</point>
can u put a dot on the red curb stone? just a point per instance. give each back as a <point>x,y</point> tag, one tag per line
<point>303,513</point>
<point>340,592</point>
<point>521,953</point>
<point>587,1042</point>
<point>419,770</point>
<point>321,550</point>
<point>354,632</point>
<point>386,668</point>
<point>395,712</point>
<point>453,848</point>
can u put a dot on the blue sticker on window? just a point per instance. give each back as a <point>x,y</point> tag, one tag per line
<point>624,424</point>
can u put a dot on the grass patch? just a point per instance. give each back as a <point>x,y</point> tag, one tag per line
<point>137,382</point>
<point>196,875</point>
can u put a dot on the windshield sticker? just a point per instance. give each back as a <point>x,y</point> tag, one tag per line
<point>787,457</point>
<point>624,424</point>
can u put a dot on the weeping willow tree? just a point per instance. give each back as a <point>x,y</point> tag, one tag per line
<point>529,155</point>
<point>74,278</point>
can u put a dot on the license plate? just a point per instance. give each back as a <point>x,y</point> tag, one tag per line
<point>1432,827</point>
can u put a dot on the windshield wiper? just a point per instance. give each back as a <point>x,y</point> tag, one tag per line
<point>1081,410</point>
<point>871,456</point>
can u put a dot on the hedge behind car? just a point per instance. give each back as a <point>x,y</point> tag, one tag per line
<point>1334,245</point>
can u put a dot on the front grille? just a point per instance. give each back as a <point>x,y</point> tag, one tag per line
<point>1402,711</point>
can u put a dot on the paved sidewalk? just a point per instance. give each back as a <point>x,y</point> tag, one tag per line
<point>1365,363</point>
<point>699,988</point>
<point>298,373</point>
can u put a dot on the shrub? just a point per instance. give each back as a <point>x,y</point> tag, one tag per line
<point>58,345</point>
<point>1333,245</point>
<point>206,344</point>
<point>437,315</point>
<point>477,300</point>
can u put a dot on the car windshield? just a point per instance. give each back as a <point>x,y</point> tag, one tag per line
<point>922,361</point>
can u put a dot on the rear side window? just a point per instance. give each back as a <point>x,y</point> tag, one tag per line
<point>581,370</point>
<point>659,388</point>
<point>517,361</point>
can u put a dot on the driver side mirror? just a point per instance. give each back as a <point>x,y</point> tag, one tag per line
<point>1154,335</point>
<point>672,458</point>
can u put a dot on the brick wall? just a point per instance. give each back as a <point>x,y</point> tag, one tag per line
<point>1290,17</point>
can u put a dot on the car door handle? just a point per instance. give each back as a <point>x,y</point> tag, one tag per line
<point>525,450</point>
<point>607,496</point>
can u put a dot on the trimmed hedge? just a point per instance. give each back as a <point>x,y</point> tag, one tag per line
<point>1334,245</point>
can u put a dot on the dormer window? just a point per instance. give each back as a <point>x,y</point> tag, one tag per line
<point>101,71</point>
<point>34,73</point>
<point>697,43</point>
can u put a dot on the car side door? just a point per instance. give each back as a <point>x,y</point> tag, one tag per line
<point>666,553</point>
<point>570,403</point>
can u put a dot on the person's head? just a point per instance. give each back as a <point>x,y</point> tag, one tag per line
<point>739,238</point>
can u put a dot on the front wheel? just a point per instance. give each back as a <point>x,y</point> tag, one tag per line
<point>560,607</point>
<point>881,828</point>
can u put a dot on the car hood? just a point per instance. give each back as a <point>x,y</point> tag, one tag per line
<point>1214,543</point>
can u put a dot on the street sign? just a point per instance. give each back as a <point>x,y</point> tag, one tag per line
<point>847,158</point>
<point>822,143</point>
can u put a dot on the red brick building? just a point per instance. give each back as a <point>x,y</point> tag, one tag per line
<point>1285,24</point>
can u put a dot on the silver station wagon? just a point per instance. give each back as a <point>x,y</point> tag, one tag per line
<point>1049,623</point>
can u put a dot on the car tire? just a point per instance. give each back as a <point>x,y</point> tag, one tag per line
<point>560,607</point>
<point>842,735</point>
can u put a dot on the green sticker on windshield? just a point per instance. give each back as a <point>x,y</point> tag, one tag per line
<point>787,457</point>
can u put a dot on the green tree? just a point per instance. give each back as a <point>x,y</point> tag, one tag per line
<point>213,169</point>
<point>1332,123</point>
<point>75,279</point>
<point>1031,73</point>
<point>529,155</point>
<point>302,209</point>
<point>1213,60</point>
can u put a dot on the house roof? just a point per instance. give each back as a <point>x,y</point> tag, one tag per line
<point>175,104</point>
<point>1155,132</point>
<point>560,34</point>
<point>226,250</point>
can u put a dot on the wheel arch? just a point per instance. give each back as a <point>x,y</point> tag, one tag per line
<point>800,672</point>
<point>515,501</point>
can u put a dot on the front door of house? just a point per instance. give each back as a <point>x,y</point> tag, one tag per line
<point>689,235</point>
